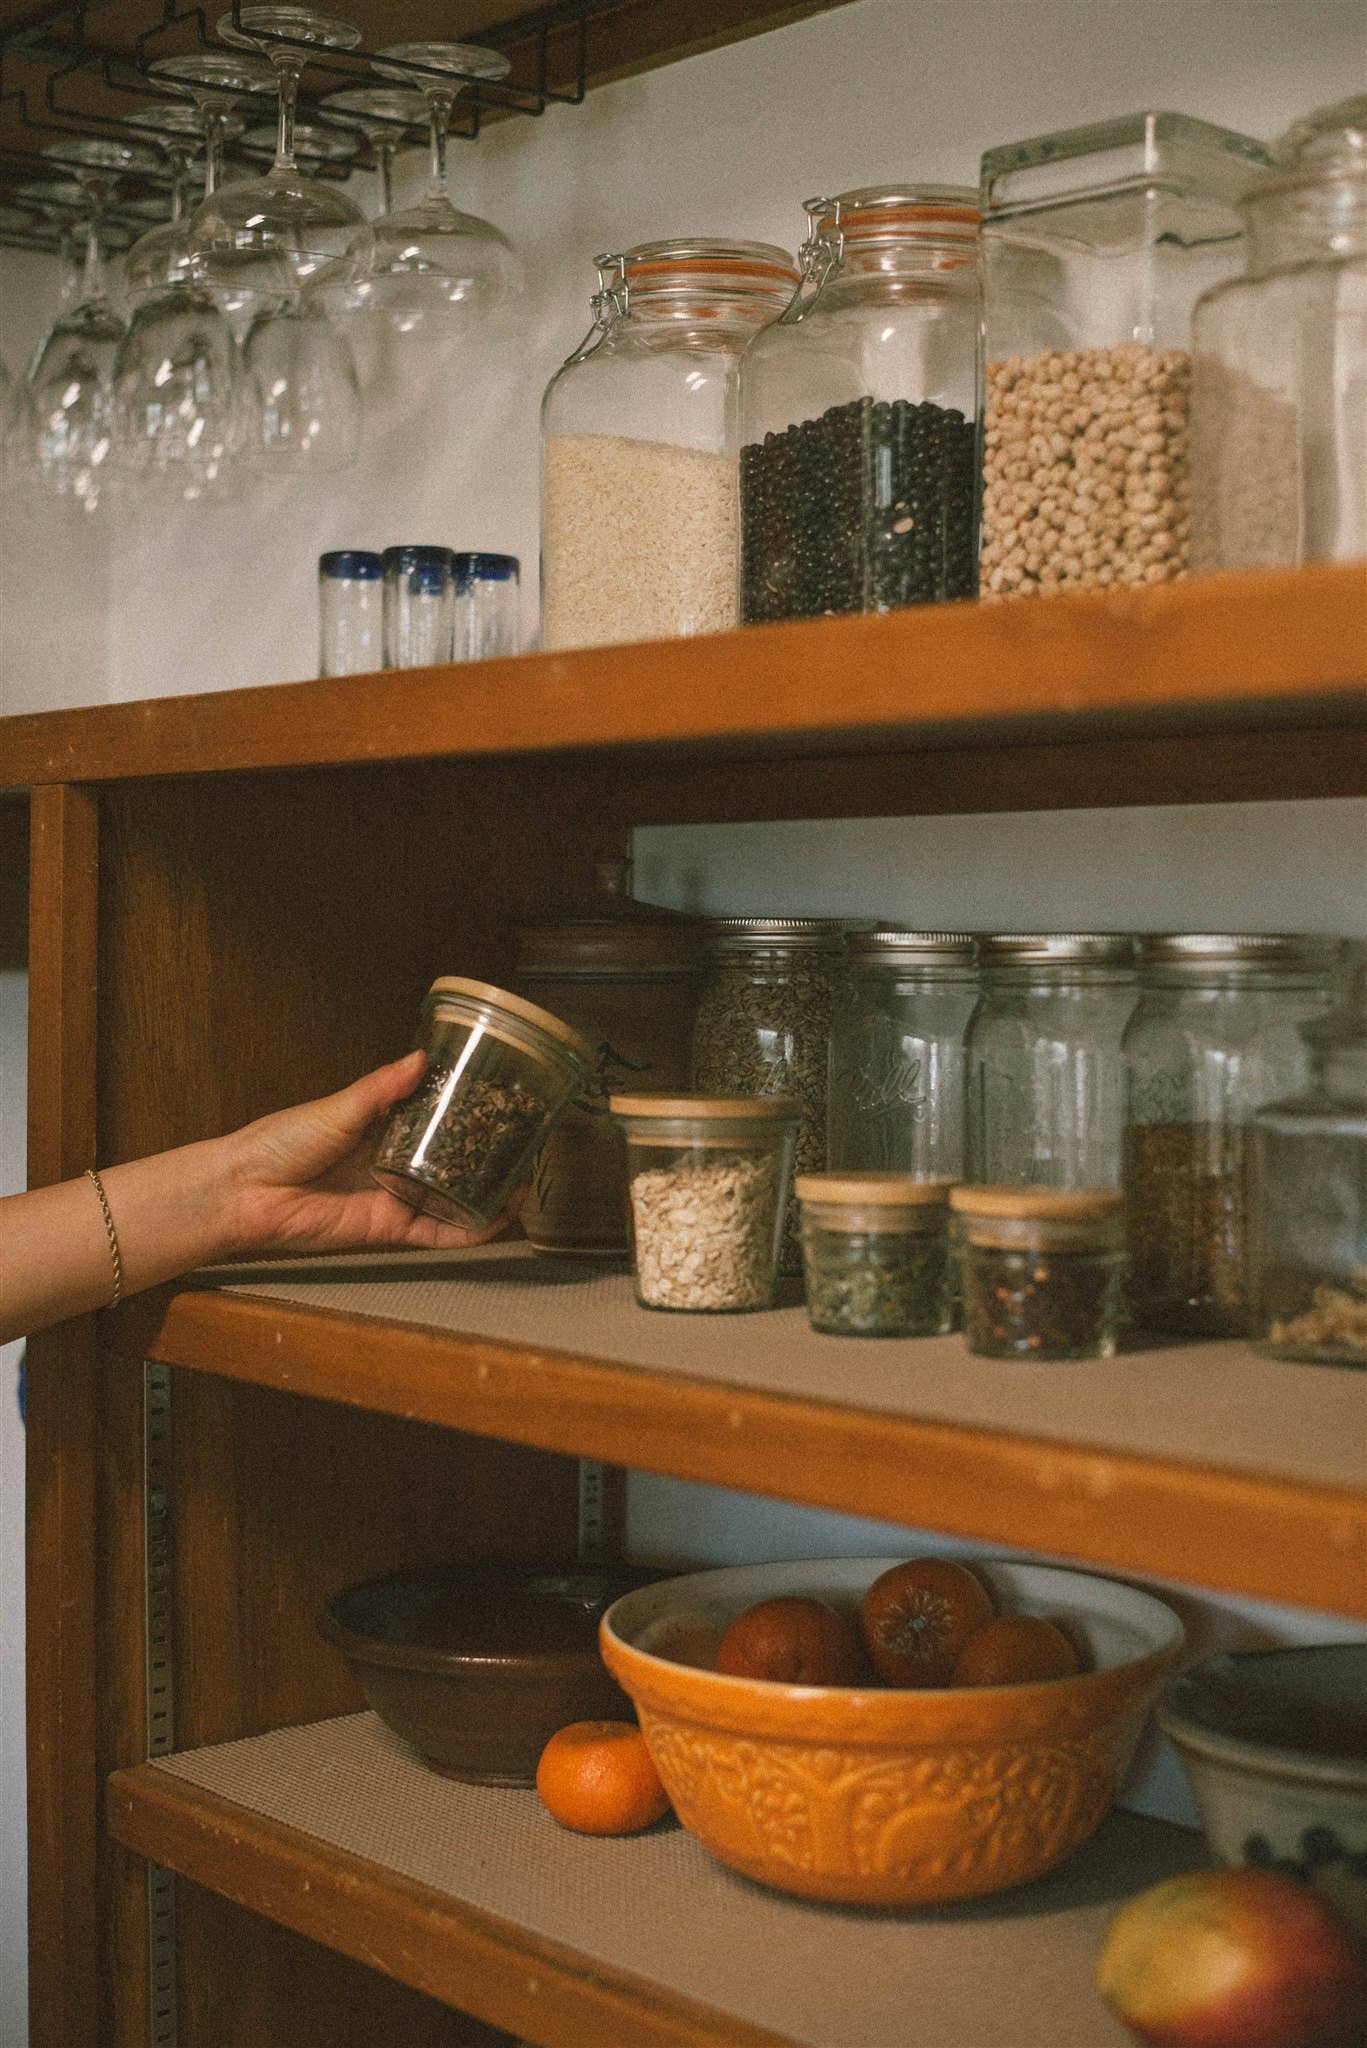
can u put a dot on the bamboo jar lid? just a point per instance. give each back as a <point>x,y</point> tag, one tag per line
<point>874,1190</point>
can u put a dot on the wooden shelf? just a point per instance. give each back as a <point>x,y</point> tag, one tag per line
<point>477,1898</point>
<point>1202,1463</point>
<point>1283,653</point>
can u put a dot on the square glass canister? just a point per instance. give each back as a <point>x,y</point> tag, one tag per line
<point>1096,244</point>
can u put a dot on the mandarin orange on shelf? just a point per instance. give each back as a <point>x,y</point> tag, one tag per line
<point>917,1617</point>
<point>597,1778</point>
<point>794,1641</point>
<point>1015,1649</point>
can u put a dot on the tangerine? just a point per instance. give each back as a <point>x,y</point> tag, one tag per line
<point>917,1617</point>
<point>1015,1649</point>
<point>597,1778</point>
<point>793,1641</point>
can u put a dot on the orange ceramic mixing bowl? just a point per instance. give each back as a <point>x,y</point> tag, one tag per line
<point>878,1798</point>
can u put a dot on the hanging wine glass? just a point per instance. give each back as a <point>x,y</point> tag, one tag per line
<point>314,143</point>
<point>216,82</point>
<point>67,429</point>
<point>304,398</point>
<point>432,261</point>
<point>272,236</point>
<point>383,114</point>
<point>177,378</point>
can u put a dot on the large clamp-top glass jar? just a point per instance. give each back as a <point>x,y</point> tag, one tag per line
<point>639,516</point>
<point>1097,243</point>
<point>858,491</point>
<point>1279,370</point>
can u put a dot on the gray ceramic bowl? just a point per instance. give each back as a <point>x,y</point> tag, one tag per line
<point>1274,1743</point>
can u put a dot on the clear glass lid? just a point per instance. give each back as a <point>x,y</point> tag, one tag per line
<point>1138,151</point>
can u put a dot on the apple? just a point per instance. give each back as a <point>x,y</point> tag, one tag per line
<point>1235,1959</point>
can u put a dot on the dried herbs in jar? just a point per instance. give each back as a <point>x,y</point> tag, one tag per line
<point>499,1071</point>
<point>876,1254</point>
<point>1041,1270</point>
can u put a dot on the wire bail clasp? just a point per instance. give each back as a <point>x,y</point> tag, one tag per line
<point>820,255</point>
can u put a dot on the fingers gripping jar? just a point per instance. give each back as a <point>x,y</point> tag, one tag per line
<point>639,520</point>
<point>857,465</point>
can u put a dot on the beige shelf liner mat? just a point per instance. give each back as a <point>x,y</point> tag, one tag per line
<point>1212,1404</point>
<point>1011,1971</point>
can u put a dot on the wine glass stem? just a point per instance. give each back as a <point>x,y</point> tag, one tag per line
<point>439,115</point>
<point>180,168</point>
<point>215,134</point>
<point>384,150</point>
<point>288,73</point>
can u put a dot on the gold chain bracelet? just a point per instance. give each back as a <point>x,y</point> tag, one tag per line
<point>112,1234</point>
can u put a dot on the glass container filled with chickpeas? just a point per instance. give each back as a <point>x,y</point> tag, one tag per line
<point>1096,244</point>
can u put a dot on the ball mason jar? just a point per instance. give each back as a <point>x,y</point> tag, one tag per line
<point>499,1072</point>
<point>1097,242</point>
<point>1045,1095</point>
<point>1308,1197</point>
<point>1215,1034</point>
<point>857,464</point>
<point>901,1009</point>
<point>638,444</point>
<point>709,1180</point>
<point>1279,374</point>
<point>763,1025</point>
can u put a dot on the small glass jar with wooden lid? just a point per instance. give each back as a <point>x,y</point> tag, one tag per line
<point>709,1178</point>
<point>1042,1270</point>
<point>499,1072</point>
<point>875,1250</point>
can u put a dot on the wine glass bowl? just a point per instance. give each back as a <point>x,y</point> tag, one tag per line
<point>272,236</point>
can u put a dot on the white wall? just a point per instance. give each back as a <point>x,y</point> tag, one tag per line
<point>727,144</point>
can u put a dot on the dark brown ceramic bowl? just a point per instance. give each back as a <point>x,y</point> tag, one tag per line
<point>477,1665</point>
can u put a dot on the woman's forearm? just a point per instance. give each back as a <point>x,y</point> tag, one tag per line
<point>171,1213</point>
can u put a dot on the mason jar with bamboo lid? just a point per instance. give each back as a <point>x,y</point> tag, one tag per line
<point>875,1250</point>
<point>708,1177</point>
<point>1042,1270</point>
<point>499,1072</point>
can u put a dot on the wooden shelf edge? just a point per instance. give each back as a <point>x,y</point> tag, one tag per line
<point>1223,653</point>
<point>1247,1534</point>
<point>459,1954</point>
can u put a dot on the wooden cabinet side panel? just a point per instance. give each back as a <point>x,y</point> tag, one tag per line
<point>62,1409</point>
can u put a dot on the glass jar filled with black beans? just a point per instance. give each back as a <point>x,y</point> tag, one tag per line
<point>858,475</point>
<point>1042,1270</point>
<point>499,1072</point>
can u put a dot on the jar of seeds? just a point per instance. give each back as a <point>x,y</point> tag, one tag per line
<point>897,1052</point>
<point>1045,1093</point>
<point>708,1178</point>
<point>858,486</point>
<point>764,1023</point>
<point>639,517</point>
<point>1097,243</point>
<point>499,1071</point>
<point>1216,1033</point>
<point>875,1250</point>
<point>1042,1270</point>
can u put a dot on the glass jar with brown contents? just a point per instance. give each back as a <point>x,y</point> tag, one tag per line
<point>1214,1035</point>
<point>1041,1270</point>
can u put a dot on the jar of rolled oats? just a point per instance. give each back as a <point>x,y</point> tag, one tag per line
<point>1096,244</point>
<point>709,1180</point>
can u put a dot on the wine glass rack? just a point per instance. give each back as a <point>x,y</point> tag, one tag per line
<point>79,68</point>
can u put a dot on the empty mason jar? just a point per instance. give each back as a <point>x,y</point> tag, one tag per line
<point>875,1251</point>
<point>499,1071</point>
<point>1045,1089</point>
<point>1042,1270</point>
<point>901,1009</point>
<point>709,1181</point>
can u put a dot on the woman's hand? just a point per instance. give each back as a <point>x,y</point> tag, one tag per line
<point>297,1180</point>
